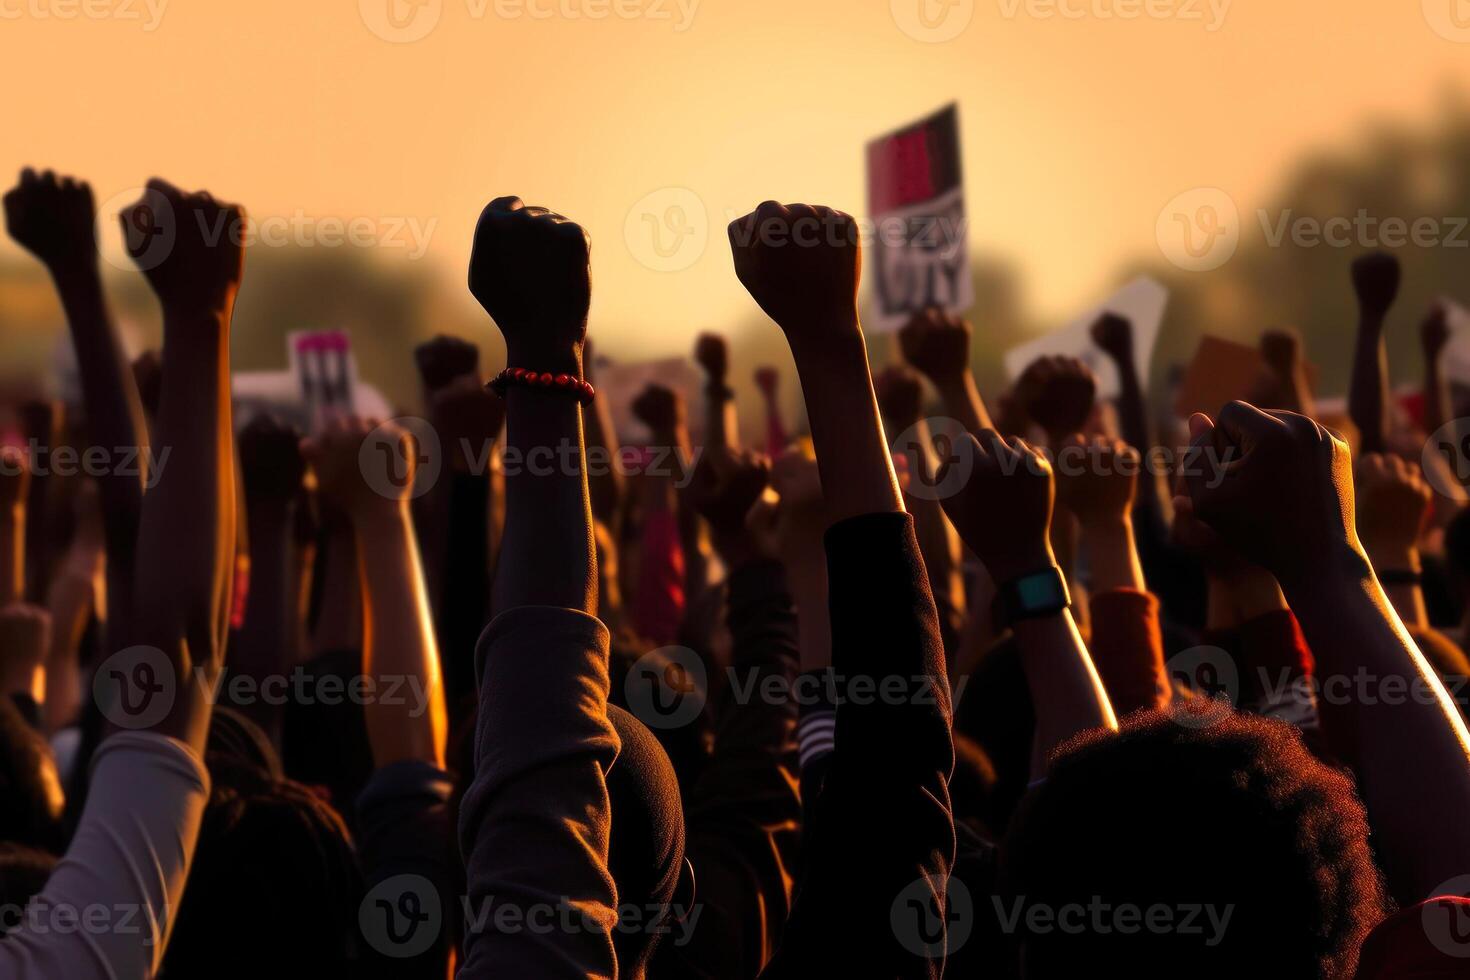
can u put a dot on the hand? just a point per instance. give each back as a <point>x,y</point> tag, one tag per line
<point>726,484</point>
<point>1392,505</point>
<point>1057,394</point>
<point>54,220</point>
<point>529,270</point>
<point>792,528</point>
<point>1003,512</point>
<point>358,478</point>
<point>1277,486</point>
<point>1434,332</point>
<point>195,267</point>
<point>768,380</point>
<point>271,463</point>
<point>900,396</point>
<point>713,354</point>
<point>937,343</point>
<point>467,418</point>
<point>1282,351</point>
<point>443,359</point>
<point>1376,282</point>
<point>1096,479</point>
<point>15,477</point>
<point>801,264</point>
<point>659,408</point>
<point>1114,334</point>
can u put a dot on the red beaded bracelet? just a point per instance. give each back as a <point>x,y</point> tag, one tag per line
<point>574,386</point>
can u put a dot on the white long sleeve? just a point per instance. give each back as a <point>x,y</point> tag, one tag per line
<point>108,907</point>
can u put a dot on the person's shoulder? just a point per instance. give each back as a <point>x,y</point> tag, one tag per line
<point>1423,942</point>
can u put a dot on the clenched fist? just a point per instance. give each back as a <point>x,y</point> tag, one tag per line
<point>801,263</point>
<point>1277,486</point>
<point>529,270</point>
<point>1114,334</point>
<point>188,246</point>
<point>1057,394</point>
<point>54,220</point>
<point>442,359</point>
<point>1434,332</point>
<point>1376,282</point>
<point>713,354</point>
<point>726,485</point>
<point>1392,504</point>
<point>1096,479</point>
<point>900,396</point>
<point>270,460</point>
<point>361,466</point>
<point>659,408</point>
<point>937,343</point>
<point>1003,512</point>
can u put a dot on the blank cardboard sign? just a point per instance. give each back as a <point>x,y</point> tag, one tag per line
<point>1142,302</point>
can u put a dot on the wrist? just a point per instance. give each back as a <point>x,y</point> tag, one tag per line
<point>831,339</point>
<point>1393,556</point>
<point>1005,570</point>
<point>555,360</point>
<point>1344,566</point>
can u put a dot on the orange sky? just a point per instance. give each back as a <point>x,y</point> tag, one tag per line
<point>1080,122</point>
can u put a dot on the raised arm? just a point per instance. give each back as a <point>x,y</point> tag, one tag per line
<point>938,344</point>
<point>264,646</point>
<point>55,220</point>
<point>1434,333</point>
<point>368,470</point>
<point>535,821</point>
<point>721,429</point>
<point>1003,512</point>
<point>1376,284</point>
<point>892,756</point>
<point>15,482</point>
<point>1393,500</point>
<point>1286,500</point>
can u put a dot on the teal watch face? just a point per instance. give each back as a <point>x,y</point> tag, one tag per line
<point>1040,592</point>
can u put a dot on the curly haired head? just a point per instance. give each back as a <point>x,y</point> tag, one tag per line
<point>1240,852</point>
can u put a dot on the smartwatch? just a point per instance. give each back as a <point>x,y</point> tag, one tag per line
<point>1032,596</point>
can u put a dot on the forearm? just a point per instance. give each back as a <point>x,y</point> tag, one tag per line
<point>12,554</point>
<point>1368,390</point>
<point>1411,753</point>
<point>1406,597</point>
<point>606,483</point>
<point>70,603</point>
<point>1111,555</point>
<point>852,456</point>
<point>1436,395</point>
<point>1065,687</point>
<point>339,620</point>
<point>548,556</point>
<point>398,641</point>
<point>721,429</point>
<point>962,401</point>
<point>110,395</point>
<point>264,645</point>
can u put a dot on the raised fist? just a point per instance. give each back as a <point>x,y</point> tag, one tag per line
<point>1282,351</point>
<point>270,460</point>
<point>937,343</point>
<point>1114,334</point>
<point>188,246</point>
<point>529,270</point>
<point>1434,332</point>
<point>1376,281</point>
<point>1276,485</point>
<point>1057,394</point>
<point>1096,478</point>
<point>1003,512</point>
<point>361,465</point>
<point>54,220</point>
<point>801,263</point>
<point>659,408</point>
<point>726,484</point>
<point>1392,503</point>
<point>443,359</point>
<point>900,396</point>
<point>713,355</point>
